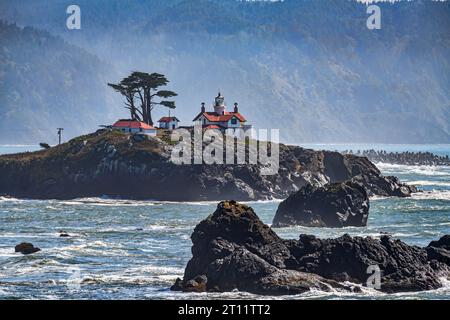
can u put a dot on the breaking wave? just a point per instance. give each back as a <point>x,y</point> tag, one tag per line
<point>388,168</point>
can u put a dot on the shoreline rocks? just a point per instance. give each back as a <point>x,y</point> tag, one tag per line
<point>403,158</point>
<point>234,249</point>
<point>334,205</point>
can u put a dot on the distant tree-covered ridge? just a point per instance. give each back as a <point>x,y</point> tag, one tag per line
<point>47,83</point>
<point>310,68</point>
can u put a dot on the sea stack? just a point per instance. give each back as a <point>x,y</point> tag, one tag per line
<point>333,205</point>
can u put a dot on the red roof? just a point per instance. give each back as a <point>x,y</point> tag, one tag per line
<point>214,117</point>
<point>132,124</point>
<point>168,119</point>
<point>211,126</point>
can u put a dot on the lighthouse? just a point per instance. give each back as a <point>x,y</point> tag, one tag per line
<point>230,121</point>
<point>219,105</point>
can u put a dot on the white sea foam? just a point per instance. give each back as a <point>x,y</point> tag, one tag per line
<point>107,202</point>
<point>430,183</point>
<point>375,198</point>
<point>432,195</point>
<point>263,201</point>
<point>134,275</point>
<point>8,199</point>
<point>414,169</point>
<point>93,248</point>
<point>104,201</point>
<point>159,270</point>
<point>7,252</point>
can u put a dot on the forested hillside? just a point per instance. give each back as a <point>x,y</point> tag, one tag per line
<point>47,83</point>
<point>310,68</point>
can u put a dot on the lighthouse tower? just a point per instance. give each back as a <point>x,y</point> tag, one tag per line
<point>219,104</point>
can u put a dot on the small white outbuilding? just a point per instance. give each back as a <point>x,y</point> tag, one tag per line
<point>169,123</point>
<point>134,126</point>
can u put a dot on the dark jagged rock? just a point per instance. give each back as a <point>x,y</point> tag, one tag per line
<point>443,243</point>
<point>233,249</point>
<point>26,248</point>
<point>403,267</point>
<point>385,186</point>
<point>333,205</point>
<point>63,234</point>
<point>347,167</point>
<point>114,164</point>
<point>440,250</point>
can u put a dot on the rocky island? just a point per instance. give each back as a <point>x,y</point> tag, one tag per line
<point>115,164</point>
<point>233,249</point>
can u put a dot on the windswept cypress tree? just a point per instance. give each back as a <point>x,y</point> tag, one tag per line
<point>144,87</point>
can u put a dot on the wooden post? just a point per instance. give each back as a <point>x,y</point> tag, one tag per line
<point>60,130</point>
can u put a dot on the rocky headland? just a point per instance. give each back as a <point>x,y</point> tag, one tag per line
<point>114,164</point>
<point>233,249</point>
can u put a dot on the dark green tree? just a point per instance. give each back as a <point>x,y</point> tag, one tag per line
<point>44,145</point>
<point>128,88</point>
<point>150,95</point>
<point>145,87</point>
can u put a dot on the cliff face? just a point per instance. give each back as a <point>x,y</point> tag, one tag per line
<point>113,164</point>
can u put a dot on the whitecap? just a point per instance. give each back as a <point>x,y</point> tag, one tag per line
<point>432,195</point>
<point>414,169</point>
<point>430,183</point>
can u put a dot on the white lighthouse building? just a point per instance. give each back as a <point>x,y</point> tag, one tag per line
<point>226,121</point>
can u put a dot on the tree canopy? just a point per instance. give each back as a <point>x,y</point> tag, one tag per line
<point>143,89</point>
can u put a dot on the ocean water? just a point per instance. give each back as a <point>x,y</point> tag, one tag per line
<point>122,249</point>
<point>18,148</point>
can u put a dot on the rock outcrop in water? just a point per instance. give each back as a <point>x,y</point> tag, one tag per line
<point>26,248</point>
<point>114,164</point>
<point>234,249</point>
<point>340,168</point>
<point>404,158</point>
<point>389,186</point>
<point>440,250</point>
<point>333,205</point>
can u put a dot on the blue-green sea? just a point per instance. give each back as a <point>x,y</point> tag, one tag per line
<point>122,249</point>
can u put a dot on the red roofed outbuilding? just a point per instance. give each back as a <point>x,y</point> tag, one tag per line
<point>134,126</point>
<point>169,123</point>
